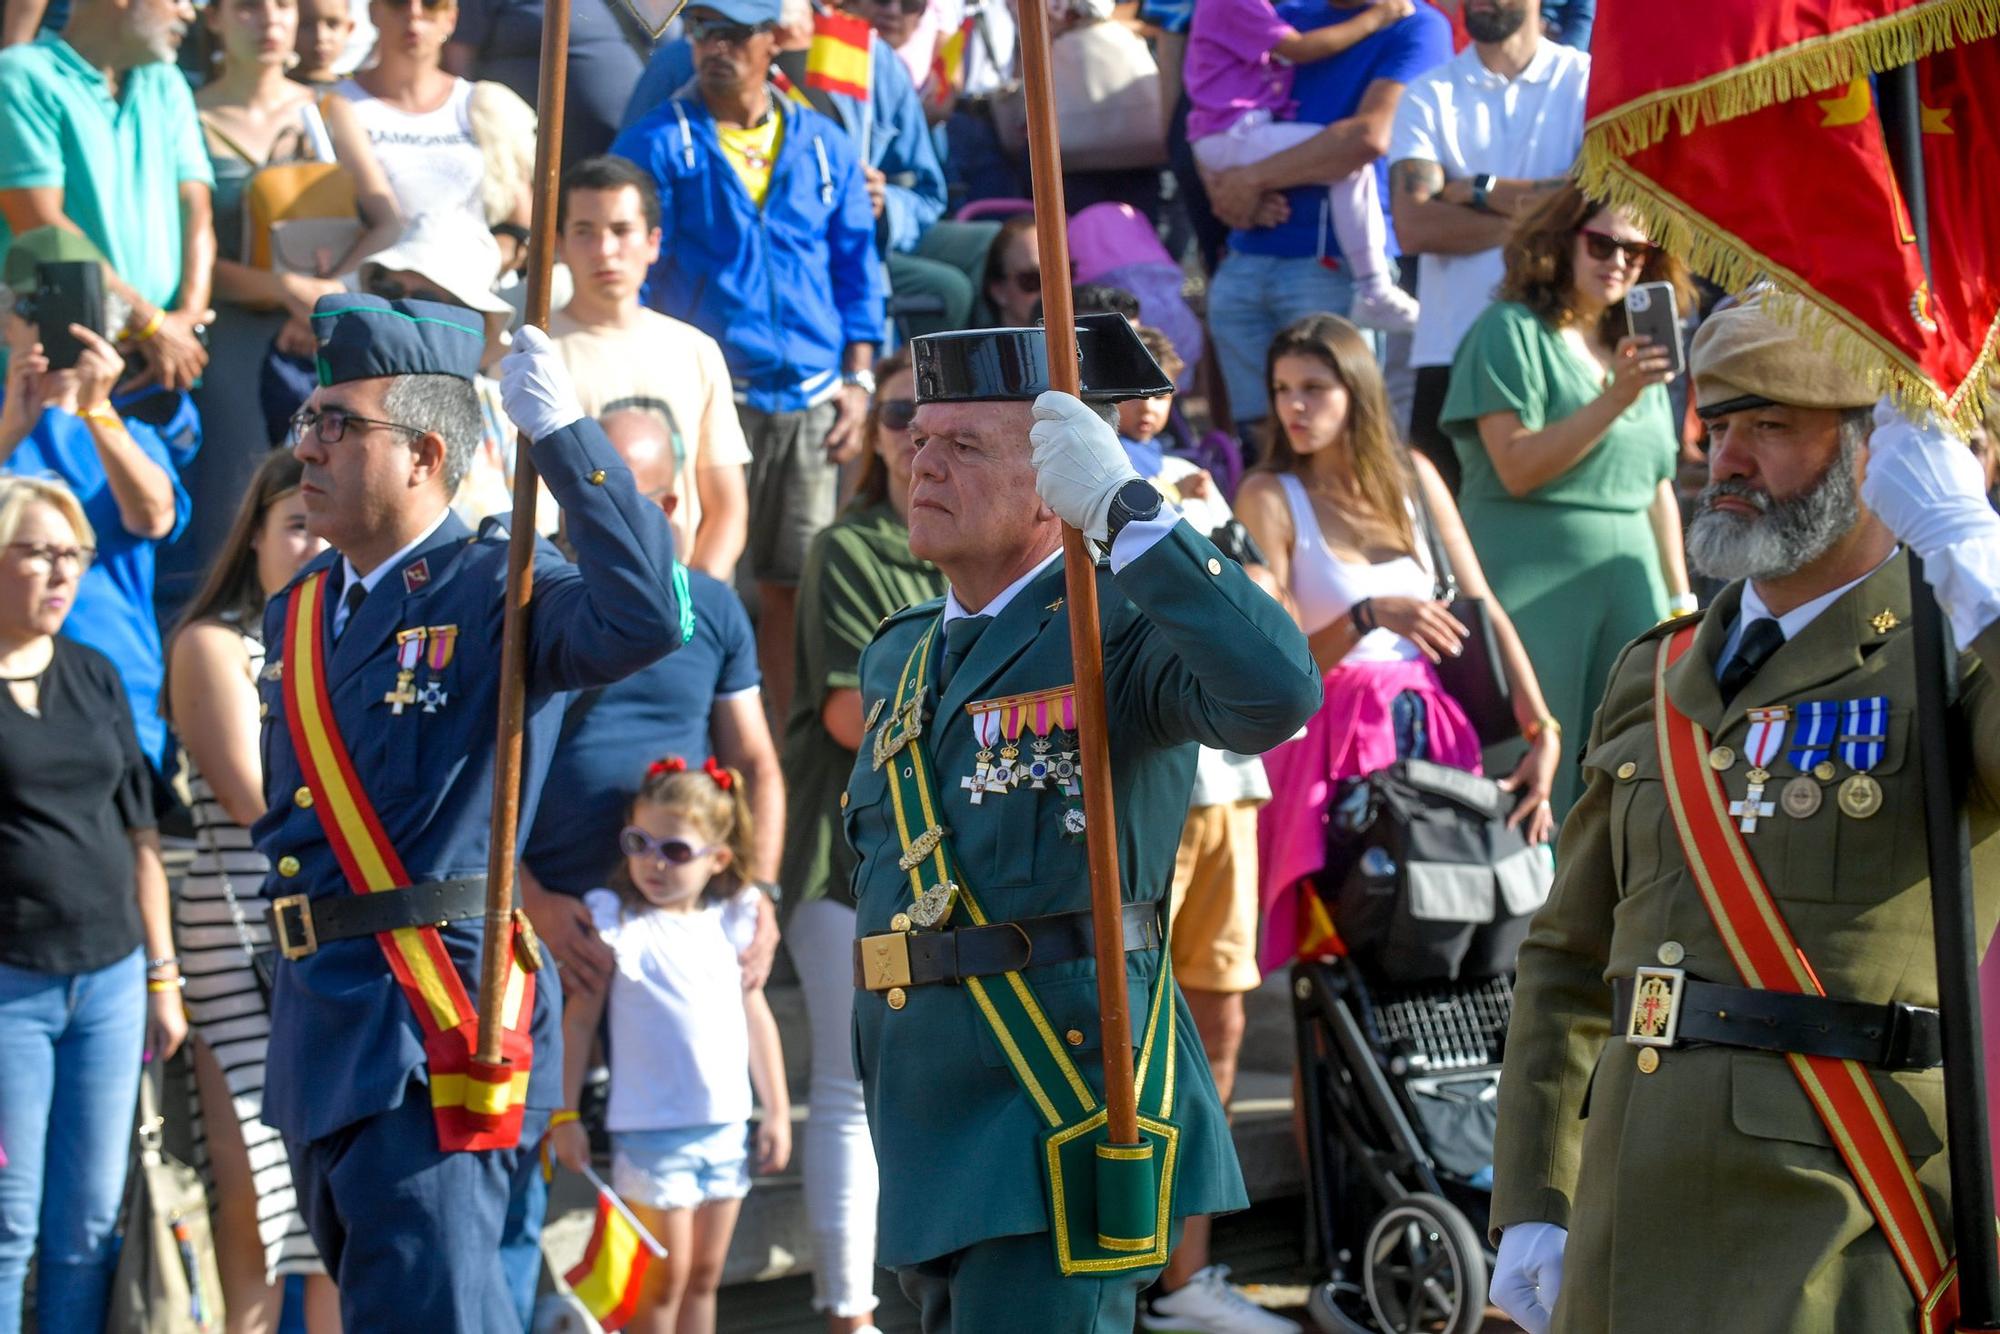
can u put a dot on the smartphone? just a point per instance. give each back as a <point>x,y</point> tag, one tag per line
<point>1652,312</point>
<point>67,292</point>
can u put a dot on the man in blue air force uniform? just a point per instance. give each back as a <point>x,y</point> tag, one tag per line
<point>977,1037</point>
<point>409,608</point>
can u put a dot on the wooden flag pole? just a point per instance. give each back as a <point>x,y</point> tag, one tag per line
<point>499,940</point>
<point>1080,590</point>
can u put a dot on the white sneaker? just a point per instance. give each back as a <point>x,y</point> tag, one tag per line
<point>1392,310</point>
<point>1210,1304</point>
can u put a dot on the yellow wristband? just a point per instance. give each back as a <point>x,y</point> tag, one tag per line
<point>104,415</point>
<point>152,325</point>
<point>159,984</point>
<point>561,1118</point>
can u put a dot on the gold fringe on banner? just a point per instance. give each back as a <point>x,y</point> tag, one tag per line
<point>1812,66</point>
<point>1734,265</point>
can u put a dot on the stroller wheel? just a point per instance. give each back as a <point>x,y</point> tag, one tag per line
<point>1327,1306</point>
<point>1423,1270</point>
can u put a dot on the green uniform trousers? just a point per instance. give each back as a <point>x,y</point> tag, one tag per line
<point>996,1285</point>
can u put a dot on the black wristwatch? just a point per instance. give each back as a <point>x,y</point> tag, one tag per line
<point>1482,189</point>
<point>1137,499</point>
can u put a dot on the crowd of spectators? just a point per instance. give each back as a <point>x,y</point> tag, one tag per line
<point>1347,233</point>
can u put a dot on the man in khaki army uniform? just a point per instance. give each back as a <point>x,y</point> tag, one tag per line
<point>1721,1108</point>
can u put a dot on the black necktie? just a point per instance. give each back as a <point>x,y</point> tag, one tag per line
<point>959,637</point>
<point>1761,638</point>
<point>351,600</point>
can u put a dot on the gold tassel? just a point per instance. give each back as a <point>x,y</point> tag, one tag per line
<point>1813,66</point>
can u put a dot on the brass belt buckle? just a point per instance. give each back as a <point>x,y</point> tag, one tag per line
<point>1656,1006</point>
<point>885,961</point>
<point>308,939</point>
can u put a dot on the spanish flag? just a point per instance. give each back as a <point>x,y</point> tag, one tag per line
<point>948,65</point>
<point>612,1273</point>
<point>840,58</point>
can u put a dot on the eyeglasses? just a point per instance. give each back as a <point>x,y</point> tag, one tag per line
<point>328,425</point>
<point>1028,282</point>
<point>636,842</point>
<point>1603,246</point>
<point>722,30</point>
<point>43,557</point>
<point>898,413</point>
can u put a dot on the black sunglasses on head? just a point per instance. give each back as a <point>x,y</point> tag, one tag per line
<point>723,30</point>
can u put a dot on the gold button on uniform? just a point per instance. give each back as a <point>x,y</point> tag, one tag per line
<point>263,709</point>
<point>843,801</point>
<point>1627,769</point>
<point>1721,758</point>
<point>288,867</point>
<point>1672,952</point>
<point>303,798</point>
<point>897,1000</point>
<point>1214,565</point>
<point>1074,1037</point>
<point>1649,1060</point>
<point>900,922</point>
<point>596,477</point>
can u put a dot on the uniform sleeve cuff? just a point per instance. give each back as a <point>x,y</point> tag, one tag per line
<point>1140,536</point>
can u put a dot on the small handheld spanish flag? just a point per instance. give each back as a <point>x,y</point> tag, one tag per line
<point>612,1273</point>
<point>840,59</point>
<point>948,63</point>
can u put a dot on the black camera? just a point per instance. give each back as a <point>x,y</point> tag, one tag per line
<point>66,292</point>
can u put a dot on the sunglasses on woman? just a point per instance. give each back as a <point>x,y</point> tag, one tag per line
<point>906,6</point>
<point>636,842</point>
<point>898,413</point>
<point>1602,246</point>
<point>1028,282</point>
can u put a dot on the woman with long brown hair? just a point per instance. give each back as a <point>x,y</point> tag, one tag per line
<point>1336,508</point>
<point>1568,447</point>
<point>214,657</point>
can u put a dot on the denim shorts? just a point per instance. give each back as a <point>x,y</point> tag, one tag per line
<point>683,1167</point>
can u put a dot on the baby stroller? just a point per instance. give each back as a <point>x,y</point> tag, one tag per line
<point>1400,1037</point>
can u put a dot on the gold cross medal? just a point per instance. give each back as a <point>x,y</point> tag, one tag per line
<point>443,643</point>
<point>409,651</point>
<point>983,779</point>
<point>1760,747</point>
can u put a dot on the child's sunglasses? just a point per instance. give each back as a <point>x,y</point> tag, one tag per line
<point>636,842</point>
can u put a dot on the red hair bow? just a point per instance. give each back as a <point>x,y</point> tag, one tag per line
<point>718,773</point>
<point>672,764</point>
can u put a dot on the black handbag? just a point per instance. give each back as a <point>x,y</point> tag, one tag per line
<point>1477,677</point>
<point>1428,883</point>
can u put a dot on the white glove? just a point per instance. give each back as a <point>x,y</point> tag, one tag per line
<point>1529,1273</point>
<point>1926,485</point>
<point>1079,464</point>
<point>535,387</point>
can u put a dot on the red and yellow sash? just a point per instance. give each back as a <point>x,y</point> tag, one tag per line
<point>477,1106</point>
<point>1754,931</point>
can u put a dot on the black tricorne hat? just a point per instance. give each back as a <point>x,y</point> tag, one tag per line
<point>987,365</point>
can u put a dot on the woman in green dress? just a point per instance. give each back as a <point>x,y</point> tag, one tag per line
<point>858,571</point>
<point>1568,447</point>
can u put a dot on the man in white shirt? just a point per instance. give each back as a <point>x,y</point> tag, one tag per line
<point>1475,145</point>
<point>623,355</point>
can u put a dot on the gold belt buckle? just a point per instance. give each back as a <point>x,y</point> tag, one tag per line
<point>280,926</point>
<point>885,961</point>
<point>1656,1006</point>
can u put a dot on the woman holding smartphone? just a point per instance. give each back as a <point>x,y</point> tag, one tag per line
<point>1568,447</point>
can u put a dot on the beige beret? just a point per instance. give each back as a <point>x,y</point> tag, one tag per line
<point>1741,352</point>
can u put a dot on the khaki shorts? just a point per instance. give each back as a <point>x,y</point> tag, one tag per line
<point>1213,934</point>
<point>793,488</point>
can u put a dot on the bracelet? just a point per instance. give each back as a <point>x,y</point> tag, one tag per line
<point>1533,731</point>
<point>106,416</point>
<point>152,326</point>
<point>158,985</point>
<point>1362,614</point>
<point>169,961</point>
<point>561,1118</point>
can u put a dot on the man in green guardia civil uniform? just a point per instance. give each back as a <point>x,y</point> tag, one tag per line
<point>976,1026</point>
<point>1689,1137</point>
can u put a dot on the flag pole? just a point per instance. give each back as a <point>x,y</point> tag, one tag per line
<point>1080,590</point>
<point>1967,1131</point>
<point>651,1242</point>
<point>499,941</point>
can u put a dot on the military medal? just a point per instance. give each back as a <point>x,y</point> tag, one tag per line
<point>409,650</point>
<point>980,781</point>
<point>1760,748</point>
<point>443,643</point>
<point>1812,737</point>
<point>1801,798</point>
<point>1863,739</point>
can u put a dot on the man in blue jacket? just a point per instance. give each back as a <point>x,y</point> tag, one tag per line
<point>769,248</point>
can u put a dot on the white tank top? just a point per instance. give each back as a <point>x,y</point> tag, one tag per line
<point>432,160</point>
<point>1325,586</point>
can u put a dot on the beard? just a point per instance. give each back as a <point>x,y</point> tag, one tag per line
<point>1786,535</point>
<point>1495,25</point>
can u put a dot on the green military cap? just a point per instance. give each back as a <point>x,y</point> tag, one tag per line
<point>984,365</point>
<point>1742,358</point>
<point>44,245</point>
<point>369,337</point>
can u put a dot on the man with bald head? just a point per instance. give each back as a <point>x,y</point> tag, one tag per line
<point>1723,1049</point>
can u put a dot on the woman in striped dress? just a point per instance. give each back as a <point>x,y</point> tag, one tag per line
<point>214,659</point>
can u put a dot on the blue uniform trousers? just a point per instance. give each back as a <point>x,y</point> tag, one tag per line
<point>990,1285</point>
<point>414,1236</point>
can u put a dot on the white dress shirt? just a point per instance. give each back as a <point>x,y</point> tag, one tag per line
<point>1792,622</point>
<point>375,576</point>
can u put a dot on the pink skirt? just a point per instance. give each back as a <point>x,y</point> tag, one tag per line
<point>1352,734</point>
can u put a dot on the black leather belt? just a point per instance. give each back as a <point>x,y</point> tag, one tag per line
<point>921,958</point>
<point>300,925</point>
<point>1682,1012</point>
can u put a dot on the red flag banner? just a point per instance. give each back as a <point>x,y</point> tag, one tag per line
<point>1747,138</point>
<point>840,59</point>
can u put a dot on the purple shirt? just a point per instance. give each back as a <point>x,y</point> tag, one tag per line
<point>1230,69</point>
